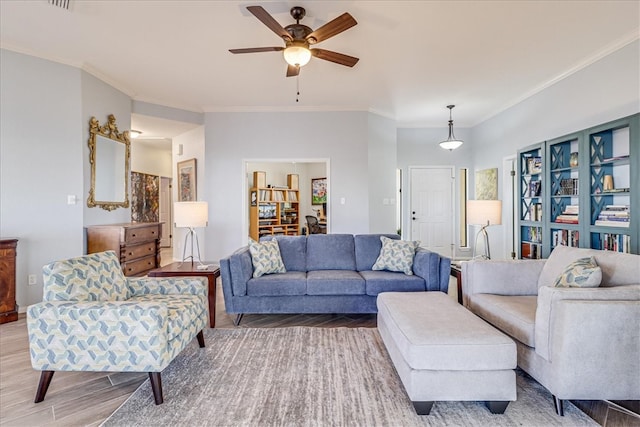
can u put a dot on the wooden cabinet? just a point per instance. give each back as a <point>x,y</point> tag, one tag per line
<point>137,244</point>
<point>273,210</point>
<point>8,306</point>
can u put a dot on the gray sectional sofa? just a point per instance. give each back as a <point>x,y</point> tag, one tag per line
<point>579,343</point>
<point>326,273</point>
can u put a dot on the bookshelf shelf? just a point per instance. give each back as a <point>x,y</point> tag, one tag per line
<point>273,210</point>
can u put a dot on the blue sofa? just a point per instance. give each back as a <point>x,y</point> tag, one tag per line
<point>326,273</point>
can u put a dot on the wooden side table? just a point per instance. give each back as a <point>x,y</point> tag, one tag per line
<point>456,271</point>
<point>178,269</point>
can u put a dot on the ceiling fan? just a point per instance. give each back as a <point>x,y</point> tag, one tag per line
<point>298,38</point>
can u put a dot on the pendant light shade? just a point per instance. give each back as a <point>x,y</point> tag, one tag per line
<point>451,143</point>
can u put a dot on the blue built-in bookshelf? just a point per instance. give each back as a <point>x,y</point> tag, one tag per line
<point>588,193</point>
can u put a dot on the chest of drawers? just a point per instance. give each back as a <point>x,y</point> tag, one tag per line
<point>137,244</point>
<point>8,306</point>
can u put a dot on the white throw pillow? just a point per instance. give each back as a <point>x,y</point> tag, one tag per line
<point>581,273</point>
<point>265,257</point>
<point>396,255</point>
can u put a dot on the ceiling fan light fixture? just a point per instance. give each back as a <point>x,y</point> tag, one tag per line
<point>451,143</point>
<point>297,55</point>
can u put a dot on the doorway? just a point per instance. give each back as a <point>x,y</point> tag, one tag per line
<point>276,171</point>
<point>165,212</point>
<point>431,208</point>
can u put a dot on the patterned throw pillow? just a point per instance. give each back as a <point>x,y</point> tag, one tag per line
<point>396,255</point>
<point>265,257</point>
<point>581,273</point>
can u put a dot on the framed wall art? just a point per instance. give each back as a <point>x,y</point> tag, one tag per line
<point>318,191</point>
<point>187,181</point>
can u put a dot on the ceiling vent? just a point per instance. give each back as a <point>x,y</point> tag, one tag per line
<point>62,4</point>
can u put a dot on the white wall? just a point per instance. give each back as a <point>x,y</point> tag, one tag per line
<point>382,159</point>
<point>41,163</point>
<point>192,148</point>
<point>146,158</point>
<point>99,100</point>
<point>340,137</point>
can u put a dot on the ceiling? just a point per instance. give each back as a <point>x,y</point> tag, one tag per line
<point>415,56</point>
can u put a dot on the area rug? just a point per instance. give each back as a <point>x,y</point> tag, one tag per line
<point>305,376</point>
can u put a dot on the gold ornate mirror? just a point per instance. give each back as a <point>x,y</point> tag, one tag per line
<point>109,154</point>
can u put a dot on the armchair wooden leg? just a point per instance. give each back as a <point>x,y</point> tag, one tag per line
<point>43,385</point>
<point>156,386</point>
<point>559,404</point>
<point>200,337</point>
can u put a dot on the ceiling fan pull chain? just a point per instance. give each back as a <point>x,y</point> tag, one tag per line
<point>298,88</point>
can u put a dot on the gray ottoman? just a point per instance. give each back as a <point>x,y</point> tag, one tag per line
<point>442,351</point>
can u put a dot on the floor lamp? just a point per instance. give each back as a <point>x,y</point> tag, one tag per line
<point>191,215</point>
<point>484,213</point>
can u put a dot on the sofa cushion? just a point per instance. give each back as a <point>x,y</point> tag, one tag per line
<point>265,257</point>
<point>335,282</point>
<point>387,281</point>
<point>330,252</point>
<point>396,255</point>
<point>515,315</point>
<point>183,310</point>
<point>581,273</point>
<point>293,250</point>
<point>618,269</point>
<point>368,249</point>
<point>279,284</point>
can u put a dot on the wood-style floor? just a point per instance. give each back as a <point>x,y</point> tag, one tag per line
<point>88,398</point>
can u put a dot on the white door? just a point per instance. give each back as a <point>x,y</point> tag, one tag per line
<point>165,211</point>
<point>431,208</point>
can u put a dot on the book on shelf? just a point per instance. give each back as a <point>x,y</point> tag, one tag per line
<point>568,187</point>
<point>530,251</point>
<point>534,165</point>
<point>534,188</point>
<point>614,216</point>
<point>567,219</point>
<point>616,190</point>
<point>535,212</point>
<point>565,238</point>
<point>571,210</point>
<point>615,242</point>
<point>614,158</point>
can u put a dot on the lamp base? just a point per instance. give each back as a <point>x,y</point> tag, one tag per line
<point>487,251</point>
<point>194,236</point>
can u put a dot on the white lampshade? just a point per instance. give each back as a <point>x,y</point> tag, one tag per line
<point>190,214</point>
<point>297,55</point>
<point>484,212</point>
<point>451,144</point>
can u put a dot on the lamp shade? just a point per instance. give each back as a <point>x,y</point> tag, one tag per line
<point>297,55</point>
<point>484,212</point>
<point>190,214</point>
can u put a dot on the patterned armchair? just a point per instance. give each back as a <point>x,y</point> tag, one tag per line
<point>93,318</point>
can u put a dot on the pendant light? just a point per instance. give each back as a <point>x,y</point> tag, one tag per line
<point>452,142</point>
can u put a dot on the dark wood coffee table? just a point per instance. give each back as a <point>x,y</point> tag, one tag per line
<point>177,269</point>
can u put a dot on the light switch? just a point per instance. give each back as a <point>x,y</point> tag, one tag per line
<point>71,199</point>
<point>385,201</point>
<point>343,200</point>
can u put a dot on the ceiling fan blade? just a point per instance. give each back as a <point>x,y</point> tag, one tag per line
<point>331,28</point>
<point>338,58</point>
<point>293,70</point>
<point>269,21</point>
<point>257,49</point>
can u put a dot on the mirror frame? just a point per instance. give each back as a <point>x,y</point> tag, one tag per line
<point>108,130</point>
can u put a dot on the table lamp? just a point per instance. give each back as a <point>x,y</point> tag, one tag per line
<point>484,213</point>
<point>191,215</point>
